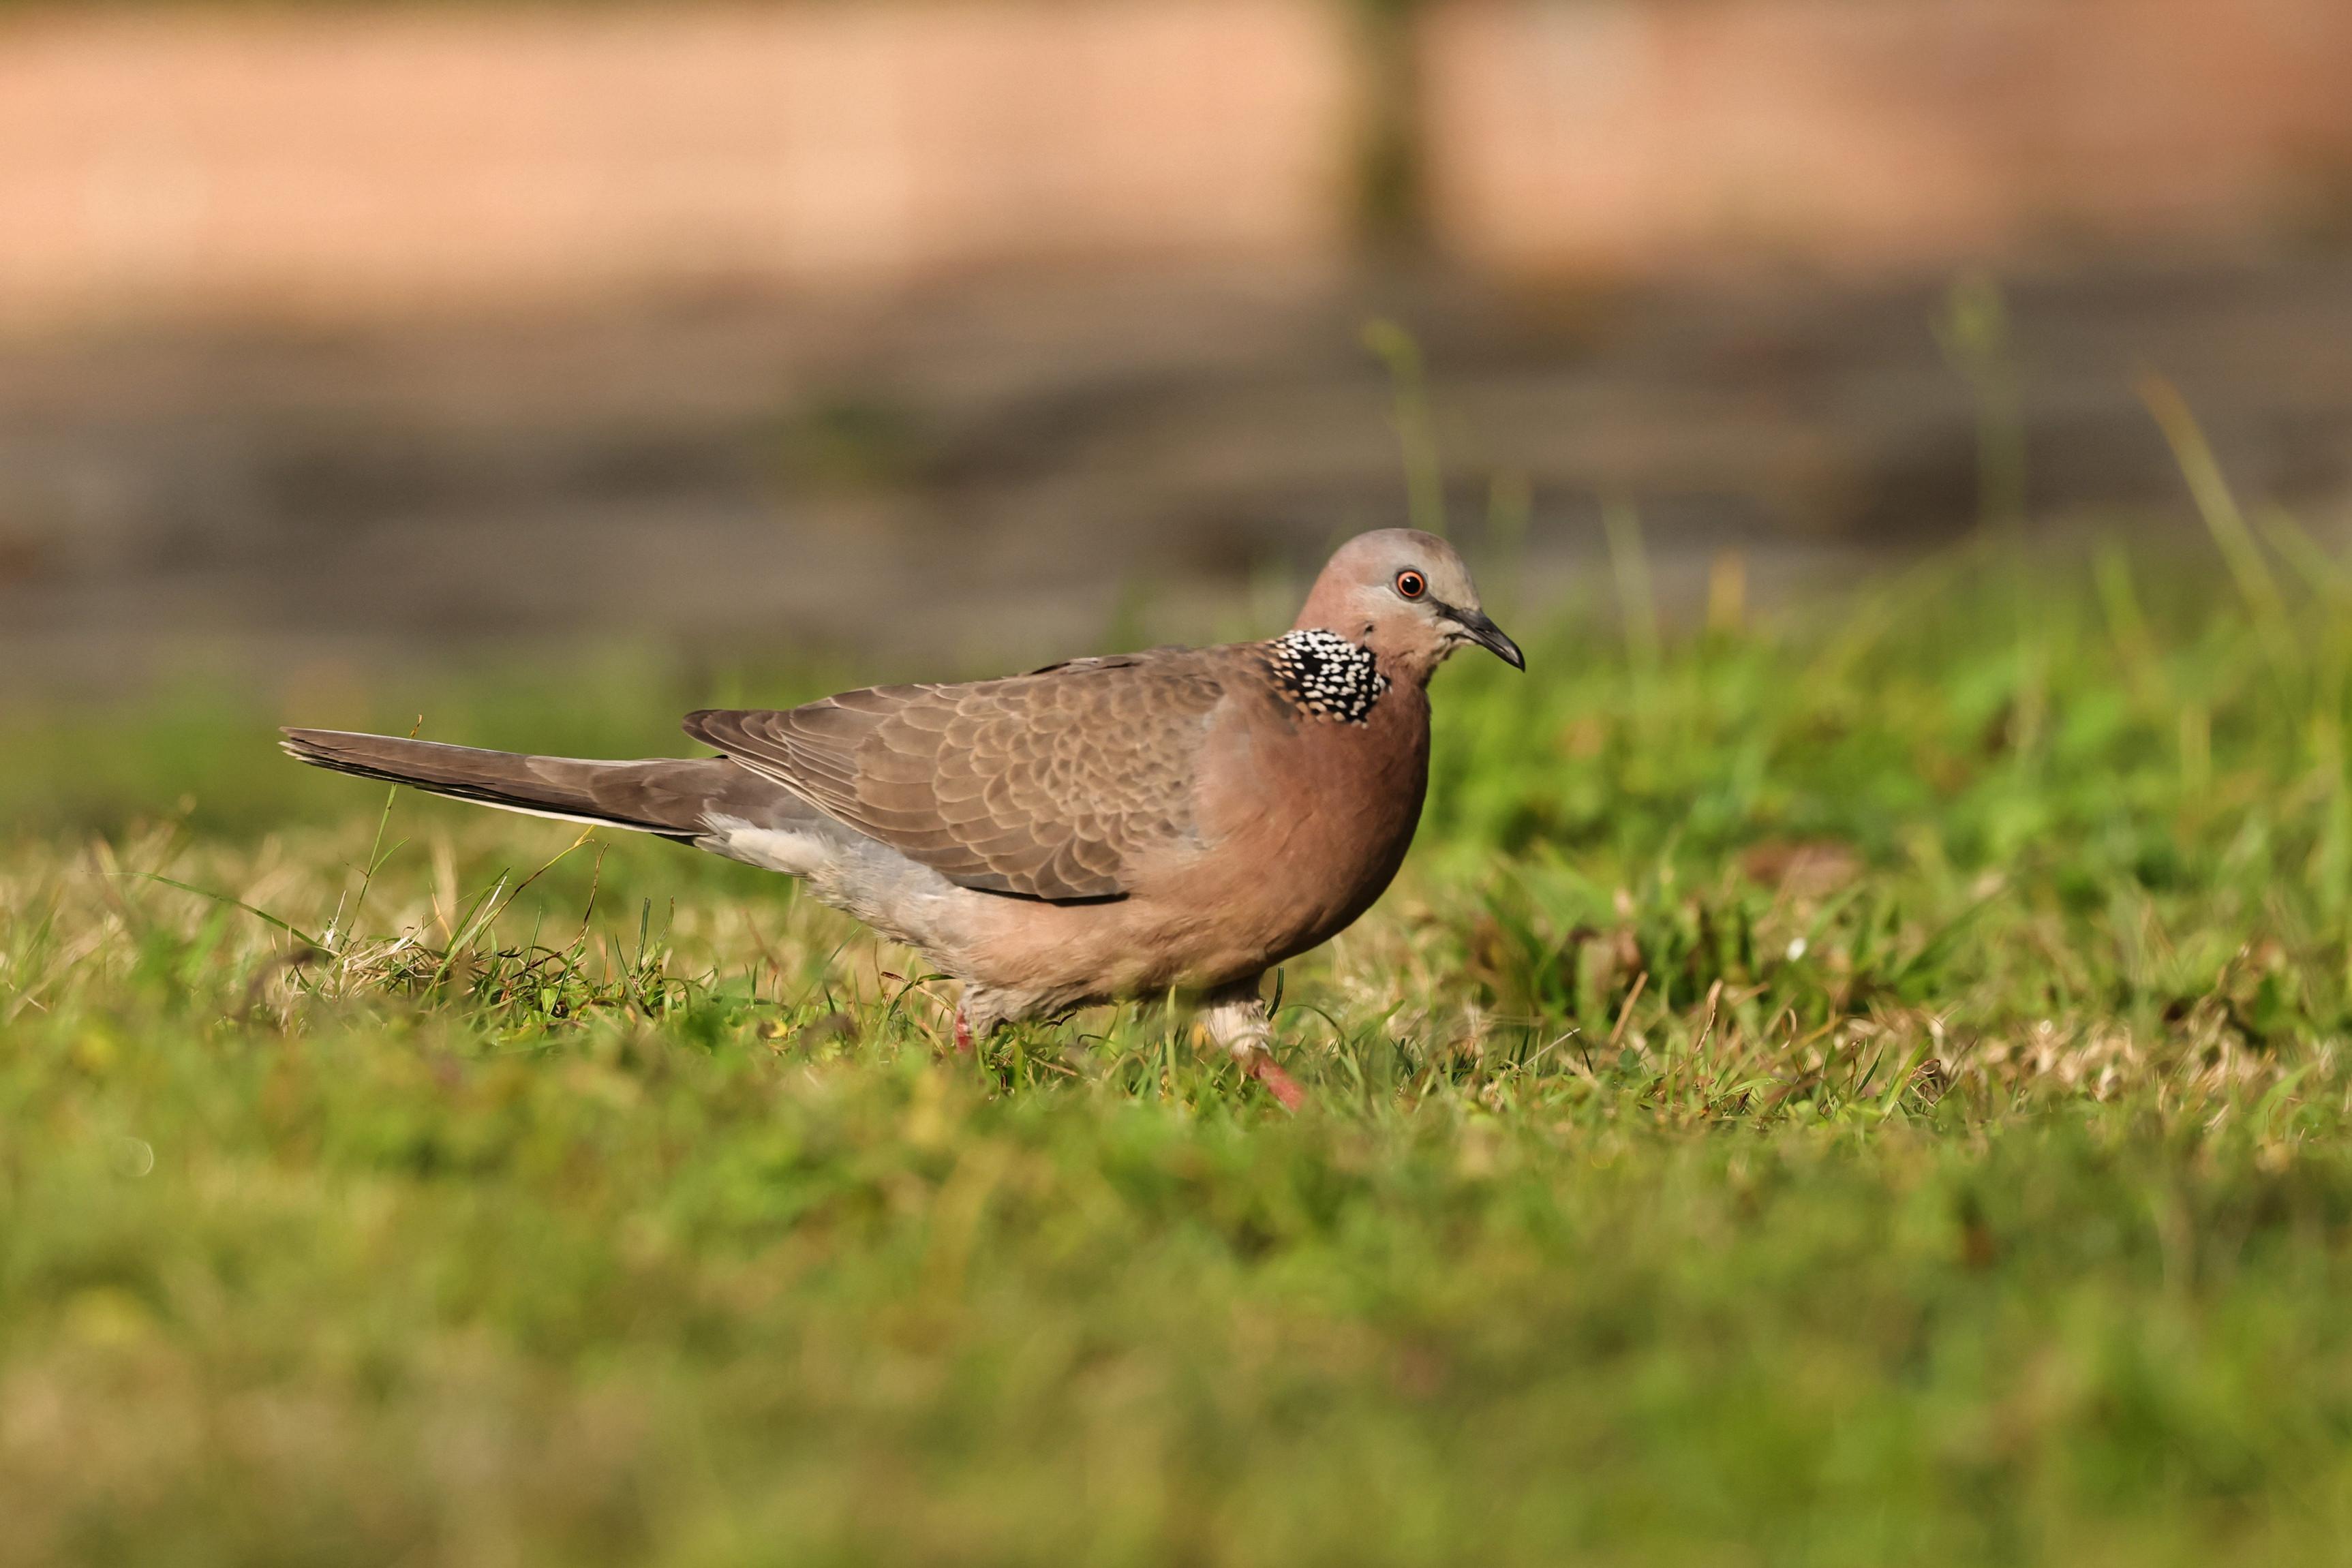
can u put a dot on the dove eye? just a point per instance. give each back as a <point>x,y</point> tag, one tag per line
<point>1411,584</point>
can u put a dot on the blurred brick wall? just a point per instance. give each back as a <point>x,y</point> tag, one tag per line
<point>1568,135</point>
<point>325,161</point>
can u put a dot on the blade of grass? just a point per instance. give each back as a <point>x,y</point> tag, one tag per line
<point>261,915</point>
<point>1425,472</point>
<point>2210,488</point>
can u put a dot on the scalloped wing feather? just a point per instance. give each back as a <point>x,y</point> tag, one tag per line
<point>1048,785</point>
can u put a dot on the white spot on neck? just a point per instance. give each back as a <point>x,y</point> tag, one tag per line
<point>1327,674</point>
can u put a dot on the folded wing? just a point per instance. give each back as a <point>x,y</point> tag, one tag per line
<point>1046,786</point>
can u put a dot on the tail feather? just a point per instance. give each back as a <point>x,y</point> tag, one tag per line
<point>675,796</point>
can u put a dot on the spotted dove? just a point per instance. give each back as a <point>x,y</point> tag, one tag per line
<point>1179,819</point>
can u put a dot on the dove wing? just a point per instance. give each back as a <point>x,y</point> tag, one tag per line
<point>1047,785</point>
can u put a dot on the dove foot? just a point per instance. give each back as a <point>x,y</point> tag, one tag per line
<point>1278,1083</point>
<point>1235,1018</point>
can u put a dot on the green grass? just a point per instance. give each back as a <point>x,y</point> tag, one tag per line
<point>1865,1089</point>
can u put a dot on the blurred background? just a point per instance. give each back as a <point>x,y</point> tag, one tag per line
<point>936,336</point>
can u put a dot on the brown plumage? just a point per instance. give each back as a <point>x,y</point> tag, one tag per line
<point>1048,785</point>
<point>1181,818</point>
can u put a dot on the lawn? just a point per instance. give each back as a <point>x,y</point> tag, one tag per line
<point>1861,1086</point>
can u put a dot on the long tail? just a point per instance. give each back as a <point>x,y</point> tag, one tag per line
<point>677,798</point>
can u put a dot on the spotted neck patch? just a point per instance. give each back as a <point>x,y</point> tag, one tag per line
<point>1328,676</point>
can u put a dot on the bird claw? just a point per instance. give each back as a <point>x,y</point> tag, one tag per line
<point>1278,1083</point>
<point>962,1034</point>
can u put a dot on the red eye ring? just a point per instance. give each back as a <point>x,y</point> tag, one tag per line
<point>1411,584</point>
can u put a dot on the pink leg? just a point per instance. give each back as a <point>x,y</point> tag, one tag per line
<point>1278,1083</point>
<point>963,1034</point>
<point>1236,1020</point>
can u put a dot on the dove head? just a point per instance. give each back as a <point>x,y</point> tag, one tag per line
<point>1405,595</point>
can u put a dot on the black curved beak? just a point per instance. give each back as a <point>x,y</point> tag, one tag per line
<point>1487,636</point>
